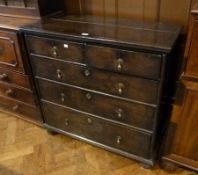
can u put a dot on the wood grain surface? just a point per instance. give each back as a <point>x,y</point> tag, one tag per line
<point>152,10</point>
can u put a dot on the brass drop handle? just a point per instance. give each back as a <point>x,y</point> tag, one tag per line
<point>88,96</point>
<point>89,121</point>
<point>120,62</point>
<point>55,51</point>
<point>62,97</point>
<point>120,88</point>
<point>9,92</point>
<point>118,140</point>
<point>3,76</point>
<point>87,73</point>
<point>59,74</point>
<point>119,113</point>
<point>66,122</point>
<point>15,108</point>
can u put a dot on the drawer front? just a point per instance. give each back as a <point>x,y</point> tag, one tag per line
<point>124,86</point>
<point>60,49</point>
<point>16,93</point>
<point>14,78</point>
<point>122,111</point>
<point>19,108</point>
<point>132,63</point>
<point>10,56</point>
<point>97,130</point>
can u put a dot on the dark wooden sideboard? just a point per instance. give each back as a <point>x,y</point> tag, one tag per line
<point>104,81</point>
<point>182,137</point>
<point>17,93</point>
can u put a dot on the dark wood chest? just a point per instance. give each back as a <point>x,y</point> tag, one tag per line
<point>16,93</point>
<point>106,82</point>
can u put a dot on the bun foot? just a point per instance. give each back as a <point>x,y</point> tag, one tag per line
<point>147,166</point>
<point>51,132</point>
<point>168,166</point>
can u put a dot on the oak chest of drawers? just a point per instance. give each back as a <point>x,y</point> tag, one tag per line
<point>104,83</point>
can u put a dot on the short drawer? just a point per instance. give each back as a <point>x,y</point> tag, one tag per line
<point>61,49</point>
<point>108,107</point>
<point>138,89</point>
<point>130,62</point>
<point>10,56</point>
<point>98,130</point>
<point>25,110</point>
<point>16,93</point>
<point>14,78</point>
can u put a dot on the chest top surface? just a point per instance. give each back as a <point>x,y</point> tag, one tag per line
<point>13,23</point>
<point>119,32</point>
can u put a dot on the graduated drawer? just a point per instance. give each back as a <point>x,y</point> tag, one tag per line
<point>108,107</point>
<point>14,78</point>
<point>129,62</point>
<point>97,130</point>
<point>20,108</point>
<point>16,93</point>
<point>10,56</point>
<point>60,49</point>
<point>138,89</point>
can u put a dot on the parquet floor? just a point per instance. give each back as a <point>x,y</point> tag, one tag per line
<point>26,149</point>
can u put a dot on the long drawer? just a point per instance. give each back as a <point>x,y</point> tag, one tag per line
<point>138,89</point>
<point>98,130</point>
<point>17,93</point>
<point>108,107</point>
<point>14,78</point>
<point>128,62</point>
<point>20,108</point>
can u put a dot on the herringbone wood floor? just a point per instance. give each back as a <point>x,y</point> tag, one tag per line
<point>26,149</point>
